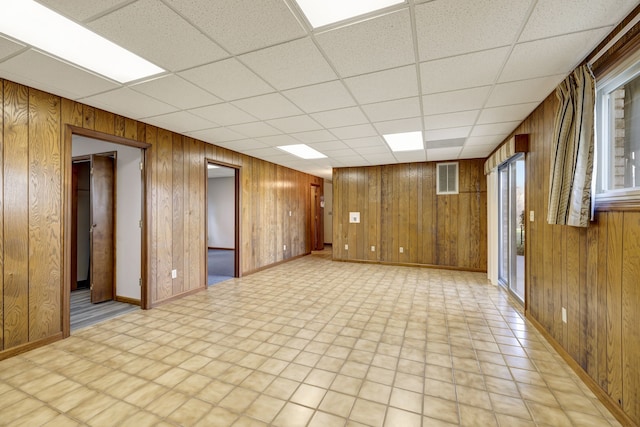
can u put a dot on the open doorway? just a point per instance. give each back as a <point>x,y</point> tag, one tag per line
<point>106,235</point>
<point>222,222</point>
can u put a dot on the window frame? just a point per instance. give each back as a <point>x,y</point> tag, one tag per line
<point>604,197</point>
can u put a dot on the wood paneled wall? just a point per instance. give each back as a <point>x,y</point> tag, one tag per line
<point>32,177</point>
<point>399,207</point>
<point>594,273</point>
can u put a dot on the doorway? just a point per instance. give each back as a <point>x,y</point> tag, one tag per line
<point>511,226</point>
<point>222,205</point>
<point>104,275</point>
<point>316,204</point>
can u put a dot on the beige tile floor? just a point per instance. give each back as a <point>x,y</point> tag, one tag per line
<point>308,343</point>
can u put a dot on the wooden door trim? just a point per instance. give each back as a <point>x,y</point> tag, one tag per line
<point>319,212</point>
<point>237,200</point>
<point>69,131</point>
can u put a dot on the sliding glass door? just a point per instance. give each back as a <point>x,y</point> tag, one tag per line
<point>511,217</point>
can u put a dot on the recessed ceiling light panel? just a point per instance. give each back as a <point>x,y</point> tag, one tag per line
<point>42,28</point>
<point>406,141</point>
<point>303,151</point>
<point>325,12</point>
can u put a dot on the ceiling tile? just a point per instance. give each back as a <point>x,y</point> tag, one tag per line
<point>242,25</point>
<point>380,149</point>
<point>276,140</point>
<point>147,27</point>
<point>358,131</point>
<point>454,27</point>
<point>295,124</point>
<point>289,65</point>
<point>471,70</point>
<point>321,97</point>
<point>370,45</point>
<point>243,145</point>
<point>82,10</point>
<point>330,146</point>
<point>179,121</point>
<point>271,106</point>
<point>533,90</point>
<point>267,153</point>
<point>494,129</point>
<point>43,72</point>
<point>9,47</point>
<point>450,120</point>
<point>384,85</point>
<point>450,102</point>
<point>410,156</point>
<point>216,135</point>
<point>228,79</point>
<point>341,117</point>
<point>557,55</point>
<point>255,129</point>
<point>223,114</point>
<point>176,91</point>
<point>380,159</point>
<point>436,135</point>
<point>478,151</point>
<point>507,113</point>
<point>552,18</point>
<point>494,140</point>
<point>372,141</point>
<point>443,154</point>
<point>337,154</point>
<point>314,136</point>
<point>397,126</point>
<point>393,110</point>
<point>128,103</point>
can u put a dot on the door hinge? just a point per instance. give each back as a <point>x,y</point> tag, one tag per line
<point>141,166</point>
<point>140,281</point>
<point>140,223</point>
<point>91,288</point>
<point>91,171</point>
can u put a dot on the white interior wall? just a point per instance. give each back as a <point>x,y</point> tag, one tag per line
<point>328,211</point>
<point>128,211</point>
<point>492,227</point>
<point>221,221</point>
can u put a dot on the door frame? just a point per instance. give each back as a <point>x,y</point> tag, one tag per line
<point>319,225</point>
<point>65,292</point>
<point>237,272</point>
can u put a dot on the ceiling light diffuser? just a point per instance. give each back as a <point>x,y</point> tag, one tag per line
<point>406,141</point>
<point>325,12</point>
<point>303,151</point>
<point>42,28</point>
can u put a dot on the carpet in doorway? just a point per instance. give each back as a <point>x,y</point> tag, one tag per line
<point>220,265</point>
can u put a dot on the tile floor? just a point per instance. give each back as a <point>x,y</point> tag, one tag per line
<point>307,343</point>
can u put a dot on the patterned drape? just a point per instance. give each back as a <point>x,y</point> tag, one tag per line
<point>572,160</point>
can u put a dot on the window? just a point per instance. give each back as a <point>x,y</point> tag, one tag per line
<point>447,178</point>
<point>618,131</point>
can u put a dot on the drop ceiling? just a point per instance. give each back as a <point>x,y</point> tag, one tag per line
<point>252,75</point>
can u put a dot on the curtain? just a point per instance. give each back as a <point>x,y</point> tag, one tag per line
<point>572,160</point>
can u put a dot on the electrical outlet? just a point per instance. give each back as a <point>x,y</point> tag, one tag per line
<point>401,250</point>
<point>289,213</point>
<point>531,216</point>
<point>346,247</point>
<point>174,274</point>
<point>564,315</point>
<point>373,248</point>
<point>284,247</point>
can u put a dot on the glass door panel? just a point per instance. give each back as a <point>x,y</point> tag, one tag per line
<point>511,226</point>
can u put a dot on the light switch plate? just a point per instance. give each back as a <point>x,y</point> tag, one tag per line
<point>354,217</point>
<point>531,216</point>
<point>174,274</point>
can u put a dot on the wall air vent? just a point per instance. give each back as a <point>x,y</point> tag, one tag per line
<point>447,178</point>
